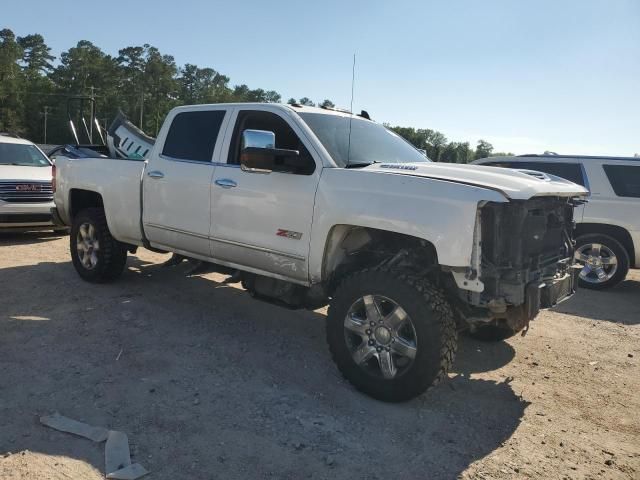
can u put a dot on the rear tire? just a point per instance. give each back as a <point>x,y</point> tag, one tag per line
<point>419,342</point>
<point>599,248</point>
<point>96,255</point>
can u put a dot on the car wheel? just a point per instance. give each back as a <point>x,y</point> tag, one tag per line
<point>392,337</point>
<point>605,262</point>
<point>96,255</point>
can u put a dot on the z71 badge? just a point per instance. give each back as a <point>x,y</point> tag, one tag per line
<point>289,234</point>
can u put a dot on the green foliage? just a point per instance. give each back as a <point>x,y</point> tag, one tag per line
<point>36,58</point>
<point>145,84</point>
<point>307,102</point>
<point>483,150</point>
<point>140,80</point>
<point>11,83</point>
<point>435,144</point>
<point>439,149</point>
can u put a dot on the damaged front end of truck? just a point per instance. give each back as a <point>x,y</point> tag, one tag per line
<point>522,262</point>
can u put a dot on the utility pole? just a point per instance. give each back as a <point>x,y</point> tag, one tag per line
<point>141,107</point>
<point>93,114</point>
<point>46,114</point>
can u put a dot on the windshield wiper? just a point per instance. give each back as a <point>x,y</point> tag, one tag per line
<point>361,164</point>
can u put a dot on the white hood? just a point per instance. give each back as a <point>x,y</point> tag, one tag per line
<point>15,172</point>
<point>511,183</point>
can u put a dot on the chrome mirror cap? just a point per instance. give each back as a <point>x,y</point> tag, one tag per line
<point>258,139</point>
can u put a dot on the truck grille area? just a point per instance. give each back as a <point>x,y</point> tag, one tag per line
<point>17,191</point>
<point>523,243</point>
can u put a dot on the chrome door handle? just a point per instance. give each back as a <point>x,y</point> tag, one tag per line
<point>226,183</point>
<point>155,174</point>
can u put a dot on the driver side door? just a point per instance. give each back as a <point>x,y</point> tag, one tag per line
<point>263,220</point>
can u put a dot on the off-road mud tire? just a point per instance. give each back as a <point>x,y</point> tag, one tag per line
<point>112,256</point>
<point>433,321</point>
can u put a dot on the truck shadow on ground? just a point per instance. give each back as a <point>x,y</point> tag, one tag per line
<point>204,379</point>
<point>618,304</point>
<point>8,238</point>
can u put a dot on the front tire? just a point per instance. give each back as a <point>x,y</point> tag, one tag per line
<point>391,336</point>
<point>605,261</point>
<point>96,255</point>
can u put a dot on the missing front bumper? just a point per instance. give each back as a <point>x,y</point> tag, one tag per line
<point>541,296</point>
<point>560,289</point>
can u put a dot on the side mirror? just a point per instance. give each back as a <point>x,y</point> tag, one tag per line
<point>258,153</point>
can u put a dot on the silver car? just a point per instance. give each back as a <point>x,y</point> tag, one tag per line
<point>26,195</point>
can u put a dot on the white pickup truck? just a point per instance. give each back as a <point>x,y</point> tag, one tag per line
<point>311,206</point>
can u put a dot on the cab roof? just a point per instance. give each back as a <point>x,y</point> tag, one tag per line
<point>283,106</point>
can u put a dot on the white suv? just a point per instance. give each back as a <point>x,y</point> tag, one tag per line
<point>26,196</point>
<point>608,225</point>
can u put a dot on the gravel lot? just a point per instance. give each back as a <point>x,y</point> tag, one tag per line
<point>211,384</point>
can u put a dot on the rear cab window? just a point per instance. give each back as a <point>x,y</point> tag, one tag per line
<point>192,135</point>
<point>624,179</point>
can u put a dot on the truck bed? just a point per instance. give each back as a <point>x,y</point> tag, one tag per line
<point>117,181</point>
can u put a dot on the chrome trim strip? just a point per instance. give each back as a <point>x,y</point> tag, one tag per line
<point>225,164</point>
<point>260,249</point>
<point>237,266</point>
<point>177,230</point>
<point>230,242</point>
<point>197,162</point>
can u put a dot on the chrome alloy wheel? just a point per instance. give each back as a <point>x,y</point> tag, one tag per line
<point>599,262</point>
<point>87,246</point>
<point>380,336</point>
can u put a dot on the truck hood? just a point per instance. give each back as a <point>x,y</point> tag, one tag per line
<point>16,172</point>
<point>511,183</point>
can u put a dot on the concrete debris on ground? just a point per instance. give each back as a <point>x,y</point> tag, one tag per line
<point>116,452</point>
<point>117,456</point>
<point>68,425</point>
<point>132,472</point>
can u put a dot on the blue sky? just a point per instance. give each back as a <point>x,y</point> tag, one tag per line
<point>526,76</point>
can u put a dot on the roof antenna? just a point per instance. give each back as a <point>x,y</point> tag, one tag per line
<point>353,79</point>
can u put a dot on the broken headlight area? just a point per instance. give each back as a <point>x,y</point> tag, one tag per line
<point>525,260</point>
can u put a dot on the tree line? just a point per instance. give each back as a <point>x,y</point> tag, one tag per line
<point>142,82</point>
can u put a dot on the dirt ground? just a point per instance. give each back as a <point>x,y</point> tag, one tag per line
<point>210,384</point>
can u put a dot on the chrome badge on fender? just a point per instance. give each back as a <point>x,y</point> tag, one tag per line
<point>289,234</point>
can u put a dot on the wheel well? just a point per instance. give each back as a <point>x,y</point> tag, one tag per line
<point>350,248</point>
<point>619,233</point>
<point>81,199</point>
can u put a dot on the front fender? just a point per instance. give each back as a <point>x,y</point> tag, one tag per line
<point>440,212</point>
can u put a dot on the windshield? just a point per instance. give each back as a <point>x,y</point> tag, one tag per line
<point>22,155</point>
<point>370,141</point>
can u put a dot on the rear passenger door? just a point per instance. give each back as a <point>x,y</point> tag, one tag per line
<point>177,180</point>
<point>616,194</point>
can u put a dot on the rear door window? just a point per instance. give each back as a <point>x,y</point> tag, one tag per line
<point>192,135</point>
<point>624,179</point>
